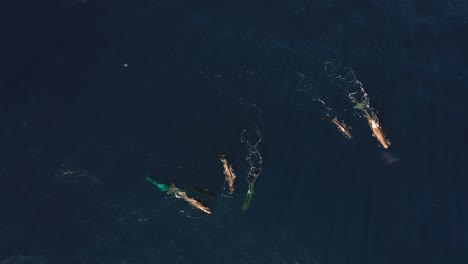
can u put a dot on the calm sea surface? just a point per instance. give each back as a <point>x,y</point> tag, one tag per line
<point>96,95</point>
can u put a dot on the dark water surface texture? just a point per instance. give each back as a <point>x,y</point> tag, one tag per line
<point>96,94</point>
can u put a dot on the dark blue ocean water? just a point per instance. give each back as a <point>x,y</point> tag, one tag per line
<point>96,94</point>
